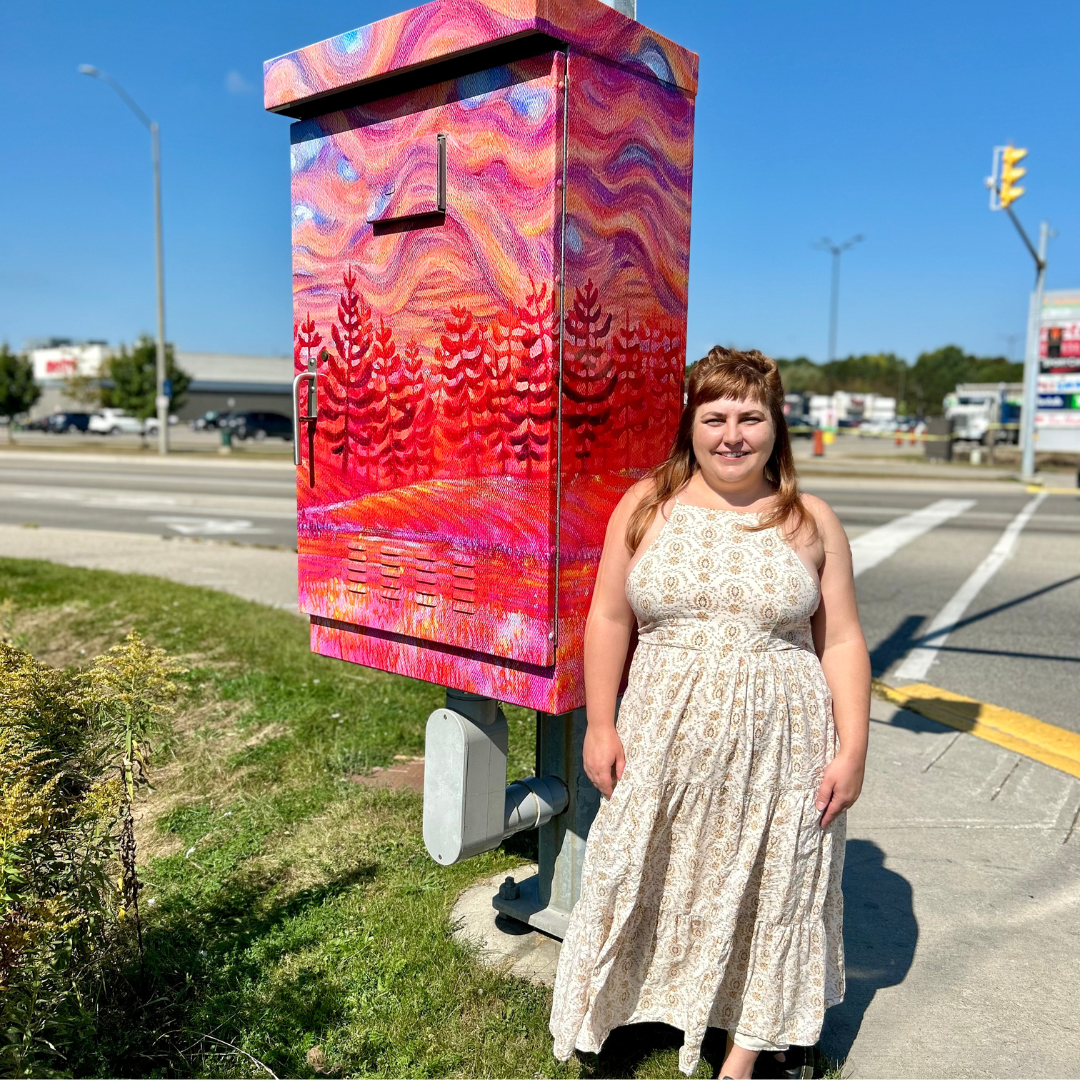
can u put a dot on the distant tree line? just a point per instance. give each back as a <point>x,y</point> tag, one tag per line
<point>919,387</point>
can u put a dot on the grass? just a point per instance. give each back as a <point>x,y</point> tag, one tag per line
<point>293,919</point>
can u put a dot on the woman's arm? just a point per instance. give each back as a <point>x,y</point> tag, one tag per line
<point>608,630</point>
<point>840,644</point>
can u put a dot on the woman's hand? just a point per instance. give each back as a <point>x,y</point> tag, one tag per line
<point>841,784</point>
<point>604,757</point>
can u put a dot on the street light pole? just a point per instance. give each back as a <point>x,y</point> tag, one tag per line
<point>825,244</point>
<point>1031,353</point>
<point>162,399</point>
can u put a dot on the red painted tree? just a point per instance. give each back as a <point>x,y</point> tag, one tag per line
<point>348,392</point>
<point>588,374</point>
<point>465,390</point>
<point>535,384</point>
<point>424,391</point>
<point>306,339</point>
<point>631,412</point>
<point>665,354</point>
<point>508,395</point>
<point>387,408</point>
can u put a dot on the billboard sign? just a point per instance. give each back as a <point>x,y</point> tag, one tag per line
<point>1059,332</point>
<point>58,362</point>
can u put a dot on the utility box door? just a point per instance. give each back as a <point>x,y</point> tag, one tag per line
<point>427,237</point>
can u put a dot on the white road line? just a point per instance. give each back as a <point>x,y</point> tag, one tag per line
<point>917,663</point>
<point>875,546</point>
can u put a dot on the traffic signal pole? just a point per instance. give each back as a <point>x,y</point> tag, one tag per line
<point>1031,354</point>
<point>1004,191</point>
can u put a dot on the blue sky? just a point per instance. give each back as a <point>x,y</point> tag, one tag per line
<point>825,118</point>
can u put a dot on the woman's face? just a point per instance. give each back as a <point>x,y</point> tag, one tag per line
<point>733,440</point>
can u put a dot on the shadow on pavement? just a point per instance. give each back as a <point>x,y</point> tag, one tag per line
<point>880,935</point>
<point>896,645</point>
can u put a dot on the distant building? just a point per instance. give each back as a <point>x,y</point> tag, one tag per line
<point>219,381</point>
<point>825,409</point>
<point>55,359</point>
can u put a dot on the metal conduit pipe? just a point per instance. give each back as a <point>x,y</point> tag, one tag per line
<point>533,802</point>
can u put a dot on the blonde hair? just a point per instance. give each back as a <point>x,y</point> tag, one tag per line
<point>742,376</point>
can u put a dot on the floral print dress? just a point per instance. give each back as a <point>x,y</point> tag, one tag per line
<point>709,894</point>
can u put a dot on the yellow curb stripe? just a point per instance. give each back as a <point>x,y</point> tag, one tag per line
<point>1035,488</point>
<point>1046,743</point>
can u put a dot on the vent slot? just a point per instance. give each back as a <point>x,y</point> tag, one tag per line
<point>427,582</point>
<point>464,585</point>
<point>356,565</point>
<point>391,571</point>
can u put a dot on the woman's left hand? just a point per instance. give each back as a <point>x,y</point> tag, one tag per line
<point>840,787</point>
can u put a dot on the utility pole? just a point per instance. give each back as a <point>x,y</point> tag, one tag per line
<point>825,244</point>
<point>163,395</point>
<point>1031,357</point>
<point>1003,193</point>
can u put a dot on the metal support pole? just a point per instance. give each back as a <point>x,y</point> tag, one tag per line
<point>162,399</point>
<point>834,303</point>
<point>546,899</point>
<point>1031,362</point>
<point>825,244</point>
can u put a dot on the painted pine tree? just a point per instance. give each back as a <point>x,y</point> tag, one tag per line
<point>424,395</point>
<point>402,406</point>
<point>348,393</point>
<point>630,411</point>
<point>588,375</point>
<point>390,412</point>
<point>508,405</point>
<point>460,349</point>
<point>535,386</point>
<point>664,354</point>
<point>306,339</point>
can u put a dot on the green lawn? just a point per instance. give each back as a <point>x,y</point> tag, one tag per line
<point>287,907</point>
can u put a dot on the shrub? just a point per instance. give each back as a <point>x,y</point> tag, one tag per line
<point>74,753</point>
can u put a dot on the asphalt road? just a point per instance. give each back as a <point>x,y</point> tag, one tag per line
<point>1015,644</point>
<point>231,499</point>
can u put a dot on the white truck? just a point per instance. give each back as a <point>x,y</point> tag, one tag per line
<point>977,409</point>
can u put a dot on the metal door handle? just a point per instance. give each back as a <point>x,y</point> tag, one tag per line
<point>423,209</point>
<point>313,413</point>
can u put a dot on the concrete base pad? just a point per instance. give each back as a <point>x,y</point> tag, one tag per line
<point>504,943</point>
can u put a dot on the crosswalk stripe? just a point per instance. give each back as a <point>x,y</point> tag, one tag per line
<point>878,544</point>
<point>918,662</point>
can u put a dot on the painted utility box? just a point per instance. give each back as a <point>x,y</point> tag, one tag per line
<point>491,231</point>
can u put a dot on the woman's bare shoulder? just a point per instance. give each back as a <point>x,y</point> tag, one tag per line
<point>634,496</point>
<point>830,530</point>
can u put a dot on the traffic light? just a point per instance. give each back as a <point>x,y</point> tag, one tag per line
<point>1010,173</point>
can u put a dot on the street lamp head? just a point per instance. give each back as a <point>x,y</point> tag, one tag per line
<point>88,69</point>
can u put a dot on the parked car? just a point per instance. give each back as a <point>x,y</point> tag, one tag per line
<point>68,422</point>
<point>261,425</point>
<point>114,422</point>
<point>151,425</point>
<point>210,421</point>
<point>40,424</point>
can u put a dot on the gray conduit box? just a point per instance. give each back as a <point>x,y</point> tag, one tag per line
<point>468,809</point>
<point>464,782</point>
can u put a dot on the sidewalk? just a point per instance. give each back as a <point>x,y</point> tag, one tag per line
<point>962,882</point>
<point>962,912</point>
<point>265,575</point>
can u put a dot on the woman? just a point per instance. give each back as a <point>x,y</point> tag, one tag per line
<point>711,885</point>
